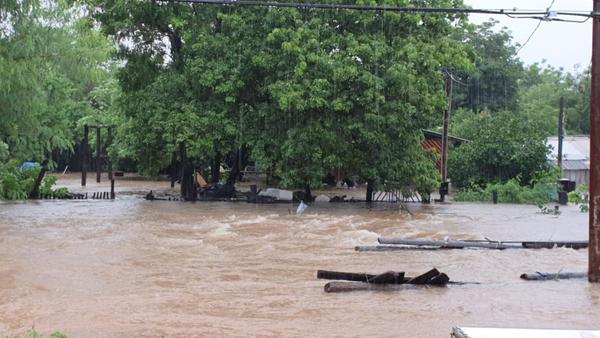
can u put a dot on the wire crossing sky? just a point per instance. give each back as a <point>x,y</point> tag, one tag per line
<point>561,37</point>
<point>546,15</point>
<point>560,44</point>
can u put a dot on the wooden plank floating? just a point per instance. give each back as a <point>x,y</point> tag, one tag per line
<point>540,276</point>
<point>332,287</point>
<point>365,281</point>
<point>483,244</point>
<point>489,332</point>
<point>391,248</point>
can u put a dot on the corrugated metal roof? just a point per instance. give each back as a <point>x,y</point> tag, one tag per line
<point>575,148</point>
<point>435,145</point>
<point>574,165</point>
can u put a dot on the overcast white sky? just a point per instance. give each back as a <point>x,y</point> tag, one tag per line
<point>561,44</point>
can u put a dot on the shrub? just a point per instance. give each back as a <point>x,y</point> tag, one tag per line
<point>512,192</point>
<point>17,185</point>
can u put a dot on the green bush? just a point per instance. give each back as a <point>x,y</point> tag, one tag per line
<point>541,192</point>
<point>17,185</point>
<point>34,334</point>
<point>580,197</point>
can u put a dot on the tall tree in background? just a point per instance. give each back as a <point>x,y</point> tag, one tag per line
<point>51,62</point>
<point>494,84</point>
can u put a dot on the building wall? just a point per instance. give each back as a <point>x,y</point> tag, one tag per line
<point>579,176</point>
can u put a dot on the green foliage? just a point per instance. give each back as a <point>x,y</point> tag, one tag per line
<point>306,91</point>
<point>543,191</point>
<point>580,197</point>
<point>51,59</point>
<point>17,185</point>
<point>494,83</point>
<point>542,88</point>
<point>501,147</point>
<point>34,334</point>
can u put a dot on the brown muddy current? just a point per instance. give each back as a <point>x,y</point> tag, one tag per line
<point>131,268</point>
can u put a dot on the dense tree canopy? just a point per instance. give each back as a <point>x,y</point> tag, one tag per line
<point>493,85</point>
<point>51,63</point>
<point>307,91</point>
<point>502,146</point>
<point>302,92</point>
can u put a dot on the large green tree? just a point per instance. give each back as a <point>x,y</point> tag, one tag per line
<point>540,93</point>
<point>51,61</point>
<point>493,85</point>
<point>502,146</point>
<point>307,91</point>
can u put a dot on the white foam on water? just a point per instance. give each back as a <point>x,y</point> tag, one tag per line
<point>223,229</point>
<point>357,237</point>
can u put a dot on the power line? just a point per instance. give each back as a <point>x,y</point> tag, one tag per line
<point>535,14</point>
<point>529,38</point>
<point>534,30</point>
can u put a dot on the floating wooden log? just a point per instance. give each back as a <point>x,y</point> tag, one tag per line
<point>388,248</point>
<point>485,244</point>
<point>360,286</point>
<point>538,244</point>
<point>350,276</point>
<point>441,279</point>
<point>389,277</point>
<point>449,244</point>
<point>424,278</point>
<point>432,276</point>
<point>553,276</point>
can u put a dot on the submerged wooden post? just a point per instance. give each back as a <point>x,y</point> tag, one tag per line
<point>112,189</point>
<point>85,154</point>
<point>173,169</point>
<point>98,155</point>
<point>108,143</point>
<point>594,192</point>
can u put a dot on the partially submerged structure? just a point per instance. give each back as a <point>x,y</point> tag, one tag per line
<point>575,157</point>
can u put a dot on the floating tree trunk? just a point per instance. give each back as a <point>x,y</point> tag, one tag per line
<point>553,276</point>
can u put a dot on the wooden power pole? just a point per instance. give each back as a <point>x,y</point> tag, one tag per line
<point>445,129</point>
<point>594,213</point>
<point>561,133</point>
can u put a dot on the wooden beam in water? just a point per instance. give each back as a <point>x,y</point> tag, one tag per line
<point>392,248</point>
<point>486,244</point>
<point>447,244</point>
<point>424,278</point>
<point>553,276</point>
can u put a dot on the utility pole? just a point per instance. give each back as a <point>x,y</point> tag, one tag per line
<point>444,166</point>
<point>445,130</point>
<point>561,133</point>
<point>594,192</point>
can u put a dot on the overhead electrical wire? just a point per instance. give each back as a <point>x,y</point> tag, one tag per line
<point>535,29</point>
<point>545,15</point>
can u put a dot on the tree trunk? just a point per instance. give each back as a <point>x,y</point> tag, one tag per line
<point>215,168</point>
<point>235,169</point>
<point>35,192</point>
<point>308,197</point>
<point>370,190</point>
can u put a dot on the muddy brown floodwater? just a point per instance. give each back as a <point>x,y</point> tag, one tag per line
<point>131,268</point>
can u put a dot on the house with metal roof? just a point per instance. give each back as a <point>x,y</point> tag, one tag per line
<point>575,159</point>
<point>433,141</point>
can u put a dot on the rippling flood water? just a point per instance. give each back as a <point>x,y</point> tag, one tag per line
<point>130,268</point>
